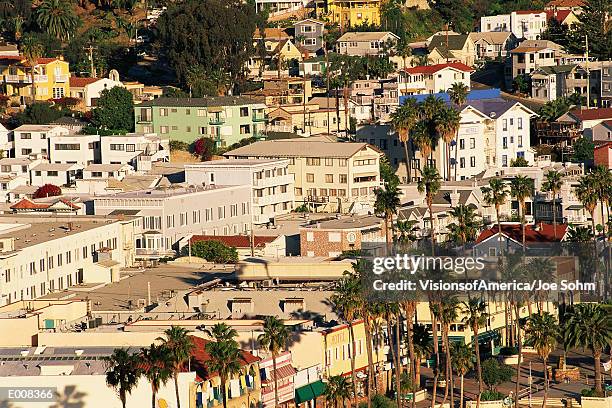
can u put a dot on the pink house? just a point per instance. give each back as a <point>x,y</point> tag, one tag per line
<point>285,379</point>
<point>603,155</point>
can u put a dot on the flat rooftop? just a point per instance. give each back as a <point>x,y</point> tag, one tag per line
<point>357,222</point>
<point>171,191</point>
<point>236,162</point>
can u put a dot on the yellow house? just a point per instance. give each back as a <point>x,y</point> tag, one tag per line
<point>351,12</point>
<point>51,78</point>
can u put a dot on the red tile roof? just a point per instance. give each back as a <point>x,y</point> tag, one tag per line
<point>432,69</point>
<point>26,204</point>
<point>78,82</point>
<point>45,60</point>
<point>592,114</point>
<point>565,3</point>
<point>559,15</point>
<point>236,241</point>
<point>542,233</point>
<point>199,358</point>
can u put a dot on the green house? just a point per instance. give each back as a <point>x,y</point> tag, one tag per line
<point>225,119</point>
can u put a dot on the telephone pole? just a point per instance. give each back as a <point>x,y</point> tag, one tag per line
<point>588,101</point>
<point>91,62</point>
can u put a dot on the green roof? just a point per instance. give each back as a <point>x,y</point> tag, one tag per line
<point>309,392</point>
<point>455,42</point>
<point>556,69</point>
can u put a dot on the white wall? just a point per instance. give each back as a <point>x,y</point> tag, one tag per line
<point>84,155</point>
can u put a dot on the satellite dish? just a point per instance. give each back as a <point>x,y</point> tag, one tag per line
<point>113,75</point>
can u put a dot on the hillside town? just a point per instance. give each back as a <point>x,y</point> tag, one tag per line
<point>238,203</point>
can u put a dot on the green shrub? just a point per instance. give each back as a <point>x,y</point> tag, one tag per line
<point>508,351</point>
<point>490,395</point>
<point>212,251</point>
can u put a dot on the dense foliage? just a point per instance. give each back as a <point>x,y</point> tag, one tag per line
<point>115,110</point>
<point>47,190</point>
<point>213,251</point>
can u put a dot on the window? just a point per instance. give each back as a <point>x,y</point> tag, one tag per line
<point>67,146</point>
<point>342,162</point>
<point>58,93</point>
<point>343,178</point>
<point>329,178</point>
<point>461,144</point>
<point>244,111</point>
<point>203,130</point>
<point>164,130</point>
<point>245,129</point>
<point>130,147</point>
<point>221,212</point>
<point>505,142</point>
<point>472,143</point>
<point>472,161</point>
<point>117,147</point>
<point>96,174</point>
<point>504,160</point>
<point>26,152</point>
<point>309,177</point>
<point>520,141</point>
<point>505,124</point>
<point>163,112</point>
<point>52,173</point>
<point>329,162</point>
<point>462,162</point>
<point>25,136</point>
<point>201,112</point>
<point>307,29</point>
<point>520,123</point>
<point>313,161</point>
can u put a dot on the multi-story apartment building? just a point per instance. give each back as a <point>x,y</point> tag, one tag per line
<point>349,13</point>
<point>43,254</point>
<point>74,148</point>
<point>328,175</point>
<point>313,118</point>
<point>310,34</point>
<point>552,82</point>
<point>34,139</point>
<point>606,83</point>
<point>51,78</point>
<point>366,43</point>
<point>431,79</point>
<point>529,56</point>
<point>272,185</point>
<point>493,45</point>
<point>138,150</point>
<point>169,214</point>
<point>523,24</point>
<point>107,171</point>
<point>225,119</point>
<point>18,166</point>
<point>281,91</point>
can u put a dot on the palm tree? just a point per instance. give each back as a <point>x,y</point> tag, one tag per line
<point>586,192</point>
<point>156,363</point>
<point>466,226</point>
<point>579,234</point>
<point>337,390</point>
<point>386,204</point>
<point>405,230</point>
<point>463,362</point>
<point>495,194</point>
<point>423,346</point>
<point>589,325</point>
<point>475,315</point>
<point>553,182</point>
<point>122,372</point>
<point>403,120</point>
<point>225,358</point>
<point>447,314</point>
<point>274,338</point>
<point>422,140</point>
<point>447,125</point>
<point>521,188</point>
<point>57,17</point>
<point>180,346</point>
<point>430,184</point>
<point>458,93</point>
<point>603,180</point>
<point>221,332</point>
<point>542,332</point>
<point>32,50</point>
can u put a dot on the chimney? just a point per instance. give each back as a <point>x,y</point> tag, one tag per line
<point>454,198</point>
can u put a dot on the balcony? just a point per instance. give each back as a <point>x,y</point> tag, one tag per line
<point>273,181</point>
<point>41,78</point>
<point>272,199</point>
<point>216,120</point>
<point>18,79</point>
<point>61,78</point>
<point>143,119</point>
<point>154,253</point>
<point>259,117</point>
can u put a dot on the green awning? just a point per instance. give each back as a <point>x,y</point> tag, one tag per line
<point>456,339</point>
<point>309,392</point>
<point>488,336</point>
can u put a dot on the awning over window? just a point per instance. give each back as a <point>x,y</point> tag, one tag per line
<point>309,392</point>
<point>488,336</point>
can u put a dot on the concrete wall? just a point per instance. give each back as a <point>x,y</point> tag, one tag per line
<point>292,269</point>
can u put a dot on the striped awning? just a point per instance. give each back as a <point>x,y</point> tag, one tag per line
<point>283,372</point>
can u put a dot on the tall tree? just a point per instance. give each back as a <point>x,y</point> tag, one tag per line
<point>57,17</point>
<point>586,191</point>
<point>447,126</point>
<point>386,204</point>
<point>475,315</point>
<point>430,184</point>
<point>463,363</point>
<point>403,120</point>
<point>115,110</point>
<point>122,372</point>
<point>466,227</point>
<point>32,50</point>
<point>593,23</point>
<point>156,366</point>
<point>589,325</point>
<point>447,311</point>
<point>458,94</point>
<point>521,188</point>
<point>542,332</point>
<point>225,359</point>
<point>221,332</point>
<point>179,346</point>
<point>423,346</point>
<point>553,183</point>
<point>495,194</point>
<point>337,390</point>
<point>274,338</point>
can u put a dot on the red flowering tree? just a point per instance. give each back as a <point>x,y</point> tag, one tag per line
<point>48,190</point>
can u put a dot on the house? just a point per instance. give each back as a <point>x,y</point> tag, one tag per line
<point>551,82</point>
<point>280,7</point>
<point>55,206</point>
<point>56,174</point>
<point>586,119</point>
<point>107,171</point>
<point>366,43</point>
<point>429,79</point>
<point>330,238</point>
<point>225,119</point>
<point>9,182</point>
<point>262,245</point>
<point>349,13</point>
<point>34,139</point>
<point>74,148</point>
<point>136,149</point>
<point>328,175</point>
<point>7,142</point>
<point>524,24</point>
<point>600,133</point>
<point>271,183</point>
<point>277,371</point>
<point>313,66</point>
<point>603,155</point>
<point>40,255</point>
<point>530,55</point>
<point>493,44</point>
<point>452,48</point>
<point>169,214</point>
<point>89,90</point>
<point>277,92</point>
<point>574,5</point>
<point>313,118</point>
<point>373,100</point>
<point>51,78</point>
<point>488,242</point>
<point>272,40</point>
<point>606,83</point>
<point>563,17</point>
<point>309,34</point>
<point>18,166</point>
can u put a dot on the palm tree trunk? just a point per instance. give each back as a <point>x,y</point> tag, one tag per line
<point>395,358</point>
<point>523,221</point>
<point>520,354</point>
<point>544,360</point>
<point>387,233</point>
<point>176,389</point>
<point>431,226</point>
<point>478,367</point>
<point>461,393</point>
<point>408,170</point>
<point>448,167</point>
<point>122,397</point>
<point>368,336</point>
<point>450,381</point>
<point>499,231</point>
<point>554,206</point>
<point>345,95</point>
<point>597,358</point>
<point>446,364</point>
<point>153,399</point>
<point>275,380</point>
<point>416,380</point>
<point>436,346</point>
<point>353,374</point>
<point>223,395</point>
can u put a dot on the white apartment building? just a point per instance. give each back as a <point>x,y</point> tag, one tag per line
<point>272,185</point>
<point>139,150</point>
<point>523,24</point>
<point>431,79</point>
<point>18,166</point>
<point>168,214</point>
<point>9,182</point>
<point>107,171</point>
<point>7,144</point>
<point>34,139</point>
<point>531,55</point>
<point>74,148</point>
<point>89,89</point>
<point>56,174</point>
<point>39,255</point>
<point>328,175</point>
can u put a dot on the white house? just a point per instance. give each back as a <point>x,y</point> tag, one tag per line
<point>90,89</point>
<point>34,139</point>
<point>74,148</point>
<point>6,142</point>
<point>18,166</point>
<point>523,24</point>
<point>9,182</point>
<point>471,151</point>
<point>55,173</point>
<point>431,79</point>
<point>139,150</point>
<point>106,171</point>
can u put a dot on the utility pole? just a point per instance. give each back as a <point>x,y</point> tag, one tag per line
<point>588,101</point>
<point>91,62</point>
